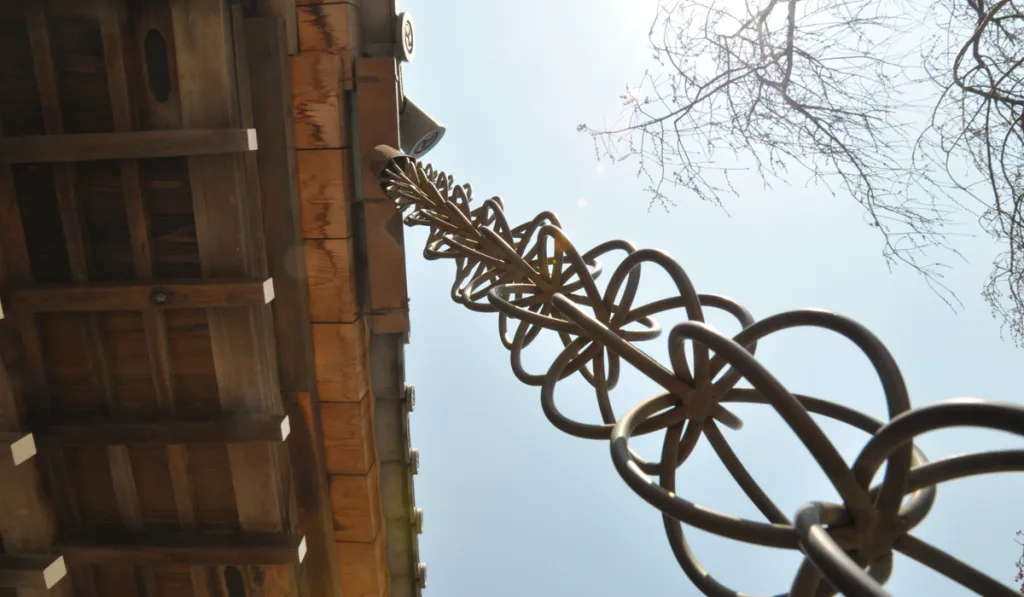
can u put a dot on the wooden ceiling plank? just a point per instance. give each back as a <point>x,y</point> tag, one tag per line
<point>38,30</point>
<point>202,549</point>
<point>33,527</point>
<point>38,572</point>
<point>224,229</point>
<point>241,429</point>
<point>118,457</point>
<point>133,145</point>
<point>284,10</point>
<point>114,30</point>
<point>94,297</point>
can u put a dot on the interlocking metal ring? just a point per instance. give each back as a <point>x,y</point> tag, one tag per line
<point>532,274</point>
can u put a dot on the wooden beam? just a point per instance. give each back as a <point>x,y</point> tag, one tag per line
<point>270,80</point>
<point>364,567</point>
<point>29,520</point>
<point>385,255</point>
<point>229,231</point>
<point>285,11</point>
<point>116,32</point>
<point>320,114</point>
<point>349,436</point>
<point>35,572</point>
<point>20,446</point>
<point>342,371</point>
<point>355,500</point>
<point>328,28</point>
<point>377,114</point>
<point>208,549</point>
<point>325,191</point>
<point>76,244</point>
<point>234,430</point>
<point>132,145</point>
<point>332,280</point>
<point>86,297</point>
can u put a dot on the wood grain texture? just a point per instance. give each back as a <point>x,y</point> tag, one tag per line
<point>123,66</point>
<point>134,145</point>
<point>270,77</point>
<point>325,190</point>
<point>28,523</point>
<point>332,282</point>
<point>285,11</point>
<point>364,568</point>
<point>328,28</point>
<point>241,429</point>
<point>76,237</point>
<point>319,103</point>
<point>253,549</point>
<point>355,500</point>
<point>341,363</point>
<point>349,439</point>
<point>200,294</point>
<point>377,114</point>
<point>228,246</point>
<point>386,274</point>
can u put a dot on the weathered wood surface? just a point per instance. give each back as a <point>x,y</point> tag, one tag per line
<point>117,222</point>
<point>37,573</point>
<point>282,216</point>
<point>325,189</point>
<point>230,430</point>
<point>253,549</point>
<point>330,264</point>
<point>87,147</point>
<point>124,296</point>
<point>377,111</point>
<point>349,436</point>
<point>341,366</point>
<point>319,102</point>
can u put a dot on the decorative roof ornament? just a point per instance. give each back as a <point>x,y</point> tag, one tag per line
<point>418,131</point>
<point>405,38</point>
<point>537,282</point>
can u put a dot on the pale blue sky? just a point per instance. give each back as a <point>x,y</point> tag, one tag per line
<point>512,506</point>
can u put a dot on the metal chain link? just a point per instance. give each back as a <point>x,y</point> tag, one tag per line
<point>533,277</point>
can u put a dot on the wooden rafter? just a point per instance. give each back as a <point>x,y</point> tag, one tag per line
<point>125,296</point>
<point>85,147</point>
<point>238,549</point>
<point>233,430</point>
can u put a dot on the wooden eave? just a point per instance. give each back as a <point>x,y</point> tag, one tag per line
<point>346,98</point>
<point>203,304</point>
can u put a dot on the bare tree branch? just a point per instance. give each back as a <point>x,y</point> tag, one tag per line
<point>827,88</point>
